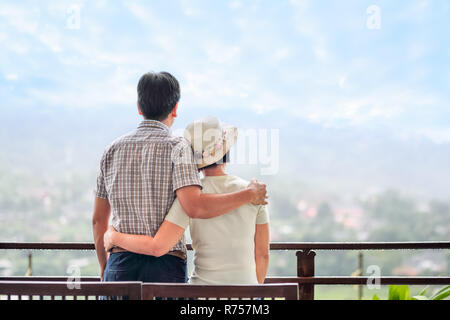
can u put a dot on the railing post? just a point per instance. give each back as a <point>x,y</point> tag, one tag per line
<point>361,272</point>
<point>30,265</point>
<point>305,268</point>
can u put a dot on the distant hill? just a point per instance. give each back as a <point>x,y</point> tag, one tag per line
<point>345,161</point>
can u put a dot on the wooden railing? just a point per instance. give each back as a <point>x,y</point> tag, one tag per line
<point>305,253</point>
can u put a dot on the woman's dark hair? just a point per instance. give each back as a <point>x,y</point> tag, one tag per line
<point>158,93</point>
<point>225,159</point>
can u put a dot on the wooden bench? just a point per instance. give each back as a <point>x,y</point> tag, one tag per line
<point>31,290</point>
<point>152,291</point>
<point>93,290</point>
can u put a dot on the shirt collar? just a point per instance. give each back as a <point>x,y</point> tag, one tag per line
<point>153,125</point>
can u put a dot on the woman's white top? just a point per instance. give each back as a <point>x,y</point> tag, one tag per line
<point>224,247</point>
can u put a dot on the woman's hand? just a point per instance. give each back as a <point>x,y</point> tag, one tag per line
<point>108,238</point>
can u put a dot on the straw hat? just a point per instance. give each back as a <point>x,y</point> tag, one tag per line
<point>210,140</point>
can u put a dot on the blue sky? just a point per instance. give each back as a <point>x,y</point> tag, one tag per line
<point>314,60</point>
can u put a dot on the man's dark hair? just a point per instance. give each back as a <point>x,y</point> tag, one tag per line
<point>225,159</point>
<point>158,93</point>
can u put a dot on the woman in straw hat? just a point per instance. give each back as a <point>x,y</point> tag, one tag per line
<point>228,249</point>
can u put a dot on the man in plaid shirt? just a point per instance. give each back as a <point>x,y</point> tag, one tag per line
<point>141,173</point>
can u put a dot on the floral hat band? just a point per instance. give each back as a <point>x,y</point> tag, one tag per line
<point>210,140</point>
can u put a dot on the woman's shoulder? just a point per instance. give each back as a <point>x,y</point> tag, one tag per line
<point>220,184</point>
<point>236,183</point>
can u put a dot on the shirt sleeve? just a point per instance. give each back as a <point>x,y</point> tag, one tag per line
<point>177,215</point>
<point>263,215</point>
<point>100,191</point>
<point>185,171</point>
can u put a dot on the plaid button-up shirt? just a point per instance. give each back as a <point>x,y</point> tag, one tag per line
<point>139,177</point>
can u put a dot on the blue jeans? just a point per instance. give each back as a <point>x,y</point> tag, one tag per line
<point>128,266</point>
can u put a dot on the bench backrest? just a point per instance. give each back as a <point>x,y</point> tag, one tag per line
<point>30,290</point>
<point>151,291</point>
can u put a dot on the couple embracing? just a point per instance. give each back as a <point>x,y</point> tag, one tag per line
<point>149,184</point>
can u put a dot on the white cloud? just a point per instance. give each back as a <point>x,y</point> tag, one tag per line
<point>342,82</point>
<point>417,50</point>
<point>141,12</point>
<point>235,4</point>
<point>22,18</point>
<point>51,38</point>
<point>282,53</point>
<point>220,53</point>
<point>416,11</point>
<point>257,67</point>
<point>301,5</point>
<point>437,135</point>
<point>190,8</point>
<point>12,76</point>
<point>28,21</point>
<point>18,46</point>
<point>384,104</point>
<point>119,88</point>
<point>306,26</point>
<point>206,87</point>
